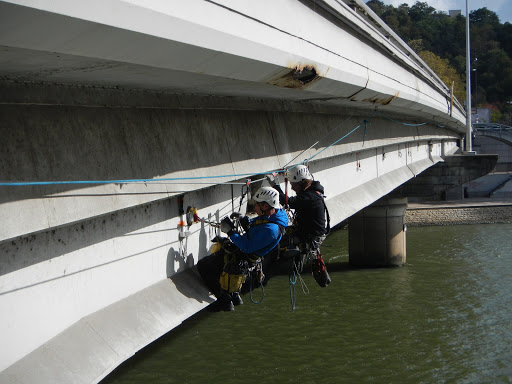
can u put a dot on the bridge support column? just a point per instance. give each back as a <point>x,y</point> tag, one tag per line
<point>377,234</point>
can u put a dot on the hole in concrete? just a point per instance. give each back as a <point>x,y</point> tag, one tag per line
<point>305,75</point>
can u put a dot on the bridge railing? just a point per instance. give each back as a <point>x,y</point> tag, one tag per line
<point>491,127</point>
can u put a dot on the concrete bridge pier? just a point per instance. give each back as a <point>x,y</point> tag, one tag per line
<point>377,234</point>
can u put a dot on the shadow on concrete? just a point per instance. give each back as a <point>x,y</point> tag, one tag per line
<point>190,284</point>
<point>178,258</point>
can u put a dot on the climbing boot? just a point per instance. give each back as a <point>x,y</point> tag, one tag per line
<point>236,299</point>
<point>291,252</point>
<point>223,303</point>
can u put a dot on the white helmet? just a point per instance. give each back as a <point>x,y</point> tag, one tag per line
<point>298,173</point>
<point>267,195</point>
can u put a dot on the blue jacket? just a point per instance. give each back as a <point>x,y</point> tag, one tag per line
<point>260,239</point>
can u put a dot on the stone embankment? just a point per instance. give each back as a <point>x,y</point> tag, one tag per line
<point>474,211</point>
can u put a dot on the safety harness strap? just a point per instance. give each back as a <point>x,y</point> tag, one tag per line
<point>328,228</point>
<point>253,257</point>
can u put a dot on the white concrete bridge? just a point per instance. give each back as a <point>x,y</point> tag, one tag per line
<point>115,114</point>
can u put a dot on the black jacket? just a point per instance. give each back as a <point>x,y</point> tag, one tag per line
<point>310,211</point>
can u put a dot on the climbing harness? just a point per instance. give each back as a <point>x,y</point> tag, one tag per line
<point>308,252</point>
<point>238,267</point>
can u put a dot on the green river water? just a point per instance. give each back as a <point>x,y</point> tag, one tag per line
<point>444,317</point>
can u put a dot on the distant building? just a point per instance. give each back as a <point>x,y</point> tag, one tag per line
<point>454,13</point>
<point>480,115</point>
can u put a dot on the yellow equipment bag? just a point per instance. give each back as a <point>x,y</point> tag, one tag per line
<point>231,283</point>
<point>233,274</point>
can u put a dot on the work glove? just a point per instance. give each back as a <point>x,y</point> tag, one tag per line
<point>227,226</point>
<point>273,179</point>
<point>221,240</point>
<point>242,220</point>
<point>217,239</point>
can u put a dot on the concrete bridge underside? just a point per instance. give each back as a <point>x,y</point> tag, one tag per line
<point>111,112</point>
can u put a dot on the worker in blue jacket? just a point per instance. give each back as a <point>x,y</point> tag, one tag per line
<point>224,272</point>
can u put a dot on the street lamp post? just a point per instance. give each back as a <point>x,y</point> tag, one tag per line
<point>469,139</point>
<point>476,82</point>
<point>476,93</point>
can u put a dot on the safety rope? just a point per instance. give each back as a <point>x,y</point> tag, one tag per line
<point>292,278</point>
<point>323,137</point>
<point>330,145</point>
<point>245,190</point>
<point>286,193</point>
<point>251,289</point>
<point>407,124</point>
<point>303,285</point>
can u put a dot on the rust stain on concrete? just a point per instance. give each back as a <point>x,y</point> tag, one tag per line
<point>376,100</point>
<point>299,76</point>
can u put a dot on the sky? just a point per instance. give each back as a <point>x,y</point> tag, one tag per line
<point>503,8</point>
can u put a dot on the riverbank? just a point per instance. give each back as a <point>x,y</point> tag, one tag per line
<point>467,211</point>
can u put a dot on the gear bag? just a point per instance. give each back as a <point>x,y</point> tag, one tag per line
<point>319,270</point>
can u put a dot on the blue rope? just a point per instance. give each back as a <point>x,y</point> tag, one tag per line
<point>128,181</point>
<point>406,124</point>
<point>337,141</point>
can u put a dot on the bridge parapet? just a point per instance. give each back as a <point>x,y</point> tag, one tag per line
<point>499,132</point>
<point>482,127</point>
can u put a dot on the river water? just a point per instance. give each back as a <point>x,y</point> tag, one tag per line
<point>444,317</point>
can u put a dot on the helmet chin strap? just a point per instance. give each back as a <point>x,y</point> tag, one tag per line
<point>265,211</point>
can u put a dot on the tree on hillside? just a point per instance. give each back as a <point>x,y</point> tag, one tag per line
<point>378,6</point>
<point>421,11</point>
<point>446,73</point>
<point>484,17</point>
<point>442,68</point>
<point>443,41</point>
<point>505,38</point>
<point>496,77</point>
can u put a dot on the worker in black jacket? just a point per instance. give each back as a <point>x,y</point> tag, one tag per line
<point>311,222</point>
